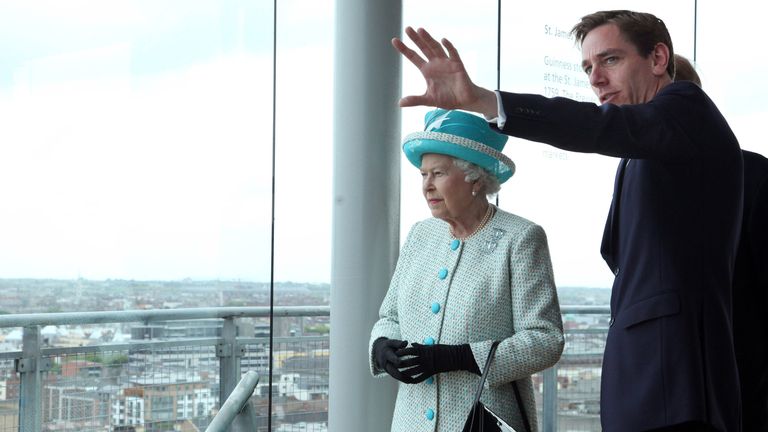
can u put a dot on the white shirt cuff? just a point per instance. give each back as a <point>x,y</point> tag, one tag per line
<point>501,118</point>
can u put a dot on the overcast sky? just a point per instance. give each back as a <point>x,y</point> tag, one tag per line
<point>136,139</point>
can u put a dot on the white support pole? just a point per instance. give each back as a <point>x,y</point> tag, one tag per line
<point>366,210</point>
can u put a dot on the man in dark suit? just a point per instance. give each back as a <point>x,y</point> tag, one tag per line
<point>673,225</point>
<point>750,282</point>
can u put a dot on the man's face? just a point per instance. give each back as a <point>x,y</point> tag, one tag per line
<point>617,72</point>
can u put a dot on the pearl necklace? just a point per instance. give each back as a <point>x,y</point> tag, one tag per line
<point>483,222</point>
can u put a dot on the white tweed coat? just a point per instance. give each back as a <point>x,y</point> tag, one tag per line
<point>497,285</point>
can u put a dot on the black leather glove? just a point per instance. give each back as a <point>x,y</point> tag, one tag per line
<point>429,360</point>
<point>385,357</point>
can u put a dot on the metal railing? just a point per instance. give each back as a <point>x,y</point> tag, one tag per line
<point>35,362</point>
<point>567,394</point>
<point>570,390</point>
<point>236,406</point>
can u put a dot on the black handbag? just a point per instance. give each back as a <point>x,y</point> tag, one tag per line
<point>481,418</point>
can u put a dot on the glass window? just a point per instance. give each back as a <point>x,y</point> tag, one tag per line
<point>304,122</point>
<point>136,144</point>
<point>731,64</point>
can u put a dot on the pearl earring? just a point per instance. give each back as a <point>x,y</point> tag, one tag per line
<point>474,193</point>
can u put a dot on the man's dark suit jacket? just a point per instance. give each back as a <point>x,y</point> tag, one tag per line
<point>750,296</point>
<point>670,239</point>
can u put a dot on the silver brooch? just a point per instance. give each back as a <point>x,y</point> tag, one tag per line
<point>493,240</point>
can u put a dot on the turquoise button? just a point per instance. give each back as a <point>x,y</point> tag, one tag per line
<point>443,273</point>
<point>430,380</point>
<point>429,341</point>
<point>435,307</point>
<point>430,414</point>
<point>455,244</point>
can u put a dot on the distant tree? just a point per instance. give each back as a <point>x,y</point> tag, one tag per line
<point>90,357</point>
<point>318,329</point>
<point>236,303</point>
<point>117,359</point>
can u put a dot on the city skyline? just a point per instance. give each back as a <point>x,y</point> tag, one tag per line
<point>151,373</point>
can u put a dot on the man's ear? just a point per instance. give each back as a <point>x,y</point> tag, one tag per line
<point>660,57</point>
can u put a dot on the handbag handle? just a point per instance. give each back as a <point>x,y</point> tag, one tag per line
<point>487,366</point>
<point>485,371</point>
<point>520,406</point>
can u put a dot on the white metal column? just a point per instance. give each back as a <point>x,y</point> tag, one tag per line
<point>366,211</point>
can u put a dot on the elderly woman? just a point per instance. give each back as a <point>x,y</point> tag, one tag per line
<point>471,275</point>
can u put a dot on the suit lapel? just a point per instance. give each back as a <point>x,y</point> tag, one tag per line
<point>611,232</point>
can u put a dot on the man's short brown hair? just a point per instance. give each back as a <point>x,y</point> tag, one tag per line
<point>642,30</point>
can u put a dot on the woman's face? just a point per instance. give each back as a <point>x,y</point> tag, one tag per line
<point>448,195</point>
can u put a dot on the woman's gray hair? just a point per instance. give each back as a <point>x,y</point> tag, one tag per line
<point>490,184</point>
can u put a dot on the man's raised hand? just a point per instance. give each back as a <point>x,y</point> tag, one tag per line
<point>448,84</point>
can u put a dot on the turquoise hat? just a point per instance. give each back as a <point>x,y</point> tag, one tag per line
<point>463,136</point>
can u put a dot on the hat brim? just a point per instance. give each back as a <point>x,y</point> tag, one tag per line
<point>415,148</point>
